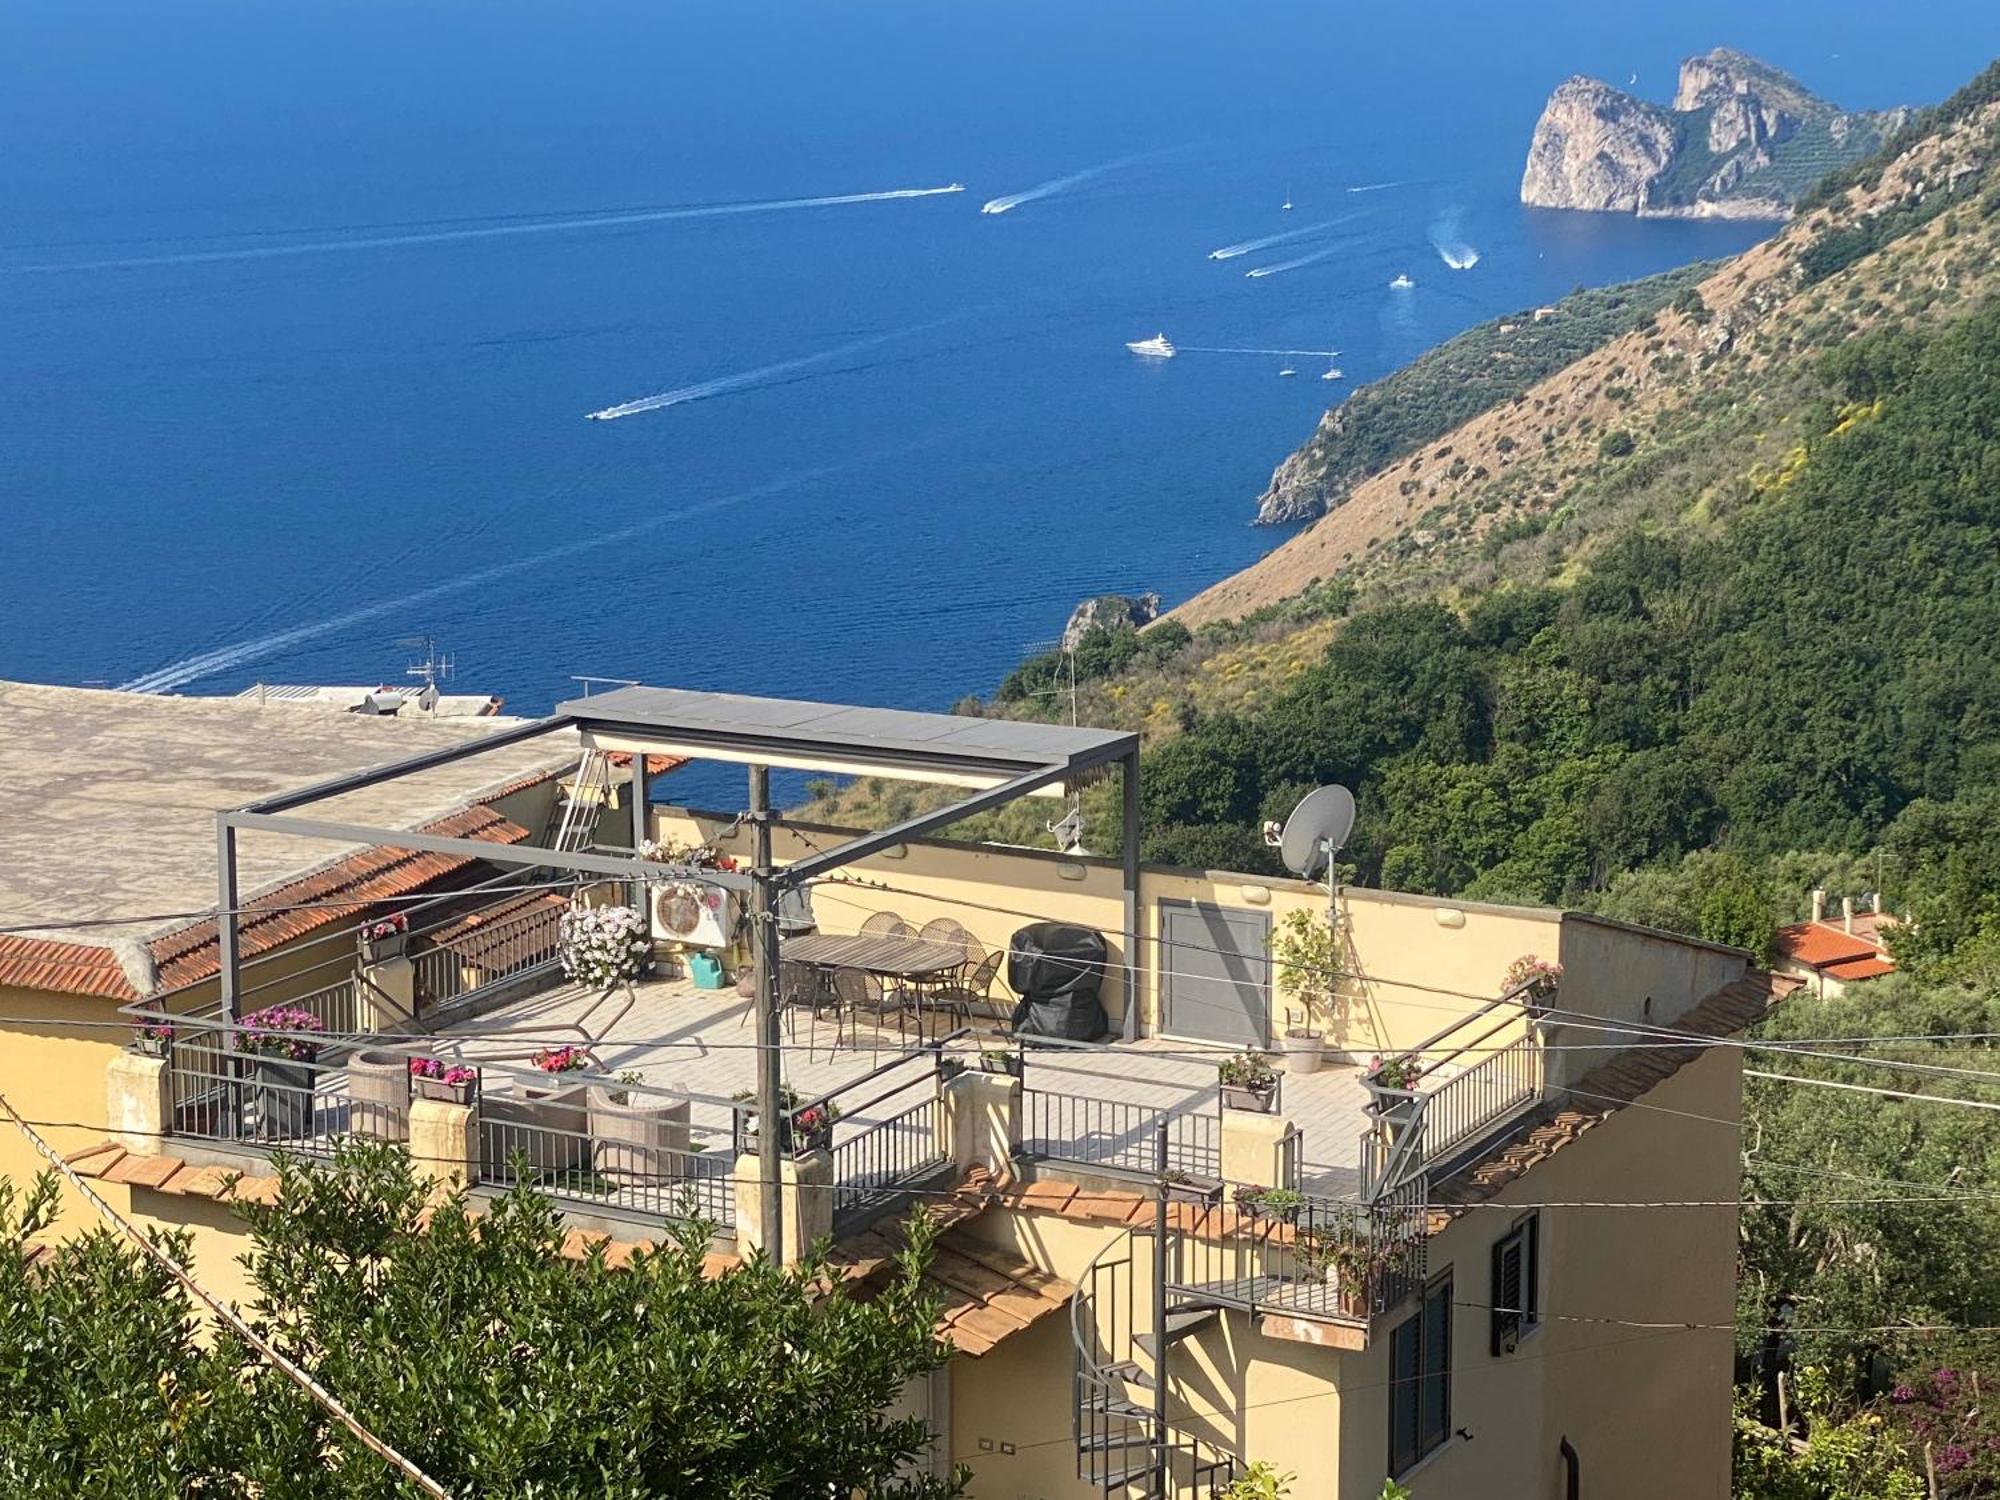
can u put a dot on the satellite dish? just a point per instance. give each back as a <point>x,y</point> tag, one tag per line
<point>1316,830</point>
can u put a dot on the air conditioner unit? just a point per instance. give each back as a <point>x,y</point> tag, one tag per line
<point>700,916</point>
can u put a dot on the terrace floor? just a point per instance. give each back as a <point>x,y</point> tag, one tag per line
<point>1092,1103</point>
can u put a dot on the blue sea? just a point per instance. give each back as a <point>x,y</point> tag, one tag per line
<point>303,308</point>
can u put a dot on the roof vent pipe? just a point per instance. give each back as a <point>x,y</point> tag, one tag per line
<point>1818,905</point>
<point>1847,913</point>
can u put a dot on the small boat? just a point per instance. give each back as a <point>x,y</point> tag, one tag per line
<point>1402,283</point>
<point>1332,373</point>
<point>1286,206</point>
<point>1288,370</point>
<point>955,187</point>
<point>1155,347</point>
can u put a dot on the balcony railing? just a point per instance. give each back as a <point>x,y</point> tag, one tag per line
<point>1478,1075</point>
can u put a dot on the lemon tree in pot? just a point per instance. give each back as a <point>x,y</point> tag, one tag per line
<point>1305,957</point>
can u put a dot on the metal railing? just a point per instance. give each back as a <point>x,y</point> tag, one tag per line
<point>876,1169</point>
<point>633,1163</point>
<point>1313,1257</point>
<point>512,947</point>
<point>302,1106</point>
<point>1420,1129</point>
<point>1090,1131</point>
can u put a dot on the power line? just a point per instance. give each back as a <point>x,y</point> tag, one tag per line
<point>283,1364</point>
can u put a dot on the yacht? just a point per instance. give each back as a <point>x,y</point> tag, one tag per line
<point>1288,370</point>
<point>1332,373</point>
<point>1286,206</point>
<point>1155,347</point>
<point>1402,283</point>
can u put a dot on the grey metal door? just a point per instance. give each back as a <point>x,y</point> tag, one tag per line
<point>1215,973</point>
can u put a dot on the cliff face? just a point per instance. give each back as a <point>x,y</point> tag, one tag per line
<point>1597,147</point>
<point>1742,140</point>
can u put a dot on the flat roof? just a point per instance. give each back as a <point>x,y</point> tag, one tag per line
<point>108,799</point>
<point>840,731</point>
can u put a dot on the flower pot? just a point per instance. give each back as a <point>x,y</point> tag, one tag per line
<point>376,950</point>
<point>1254,1101</point>
<point>378,1094</point>
<point>440,1092</point>
<point>1204,1191</point>
<point>1303,1051</point>
<point>153,1046</point>
<point>632,1142</point>
<point>281,1098</point>
<point>1001,1062</point>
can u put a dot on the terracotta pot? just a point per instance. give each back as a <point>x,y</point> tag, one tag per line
<point>1252,1101</point>
<point>281,1098</point>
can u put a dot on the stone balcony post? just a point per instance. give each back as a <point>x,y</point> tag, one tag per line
<point>138,1102</point>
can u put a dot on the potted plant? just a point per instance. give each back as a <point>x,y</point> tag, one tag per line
<point>385,938</point>
<point>1187,1187</point>
<point>801,1127</point>
<point>1301,1045</point>
<point>1391,1083</point>
<point>1306,961</point>
<point>1280,1205</point>
<point>1534,980</point>
<point>1000,1060</point>
<point>153,1038</point>
<point>1350,1264</point>
<point>446,1083</point>
<point>378,1094</point>
<point>948,1067</point>
<point>1249,1082</point>
<point>278,1043</point>
<point>604,946</point>
<point>631,1139</point>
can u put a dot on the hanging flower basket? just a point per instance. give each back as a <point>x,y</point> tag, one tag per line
<point>603,946</point>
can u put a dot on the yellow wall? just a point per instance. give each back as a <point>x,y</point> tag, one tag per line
<point>52,1064</point>
<point>1412,973</point>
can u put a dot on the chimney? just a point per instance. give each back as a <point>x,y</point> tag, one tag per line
<point>1875,902</point>
<point>1847,913</point>
<point>1818,905</point>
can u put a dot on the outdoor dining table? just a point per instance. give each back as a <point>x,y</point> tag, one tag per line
<point>882,954</point>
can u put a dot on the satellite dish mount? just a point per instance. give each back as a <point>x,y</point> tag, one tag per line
<point>1313,837</point>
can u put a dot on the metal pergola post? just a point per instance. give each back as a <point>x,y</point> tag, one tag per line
<point>640,831</point>
<point>764,951</point>
<point>229,965</point>
<point>1130,850</point>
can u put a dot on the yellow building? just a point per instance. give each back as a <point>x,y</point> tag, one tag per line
<point>1361,1272</point>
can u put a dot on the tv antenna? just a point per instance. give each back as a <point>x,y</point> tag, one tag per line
<point>430,671</point>
<point>1314,835</point>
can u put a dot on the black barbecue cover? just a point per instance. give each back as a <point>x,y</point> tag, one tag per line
<point>1057,970</point>
<point>1055,961</point>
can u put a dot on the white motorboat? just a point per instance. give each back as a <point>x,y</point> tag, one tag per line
<point>1332,373</point>
<point>1288,370</point>
<point>1402,283</point>
<point>1155,347</point>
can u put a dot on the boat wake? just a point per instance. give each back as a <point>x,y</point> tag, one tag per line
<point>1230,252</point>
<point>240,653</point>
<point>608,219</point>
<point>1056,185</point>
<point>1383,187</point>
<point>1450,244</point>
<point>724,385</point>
<point>1258,272</point>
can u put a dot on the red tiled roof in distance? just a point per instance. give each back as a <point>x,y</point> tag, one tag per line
<point>1859,968</point>
<point>1817,944</point>
<point>35,963</point>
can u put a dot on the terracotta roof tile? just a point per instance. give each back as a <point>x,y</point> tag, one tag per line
<point>1817,944</point>
<point>1047,1196</point>
<point>380,874</point>
<point>97,1163</point>
<point>1607,1089</point>
<point>1110,1207</point>
<point>66,968</point>
<point>1859,968</point>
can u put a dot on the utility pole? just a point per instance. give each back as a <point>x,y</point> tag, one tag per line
<point>764,959</point>
<point>1161,1458</point>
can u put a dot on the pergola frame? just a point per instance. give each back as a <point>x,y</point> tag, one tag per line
<point>999,761</point>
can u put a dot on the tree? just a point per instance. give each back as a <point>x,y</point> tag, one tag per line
<point>470,1344</point>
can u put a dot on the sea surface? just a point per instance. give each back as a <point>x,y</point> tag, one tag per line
<point>303,308</point>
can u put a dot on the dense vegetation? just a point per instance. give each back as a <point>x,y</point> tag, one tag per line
<point>1479,369</point>
<point>1810,675</point>
<point>472,1346</point>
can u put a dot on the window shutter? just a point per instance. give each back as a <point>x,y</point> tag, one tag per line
<point>1508,1298</point>
<point>1405,1377</point>
<point>1531,1272</point>
<point>1434,1415</point>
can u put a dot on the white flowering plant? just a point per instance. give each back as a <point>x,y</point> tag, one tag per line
<point>605,945</point>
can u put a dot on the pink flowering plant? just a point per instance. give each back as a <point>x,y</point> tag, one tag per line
<point>561,1059</point>
<point>393,925</point>
<point>605,945</point>
<point>1948,1412</point>
<point>451,1074</point>
<point>1543,973</point>
<point>281,1031</point>
<point>154,1036</point>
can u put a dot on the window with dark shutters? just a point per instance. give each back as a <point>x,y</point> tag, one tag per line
<point>1515,1301</point>
<point>1420,1379</point>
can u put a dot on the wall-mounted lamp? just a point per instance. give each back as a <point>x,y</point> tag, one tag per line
<point>1449,916</point>
<point>896,851</point>
<point>1256,895</point>
<point>1068,871</point>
